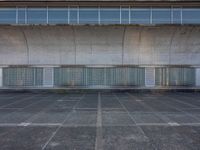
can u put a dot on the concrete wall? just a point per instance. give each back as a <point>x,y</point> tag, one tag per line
<point>100,45</point>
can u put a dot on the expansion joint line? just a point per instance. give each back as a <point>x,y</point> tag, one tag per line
<point>139,128</point>
<point>98,142</point>
<point>58,128</point>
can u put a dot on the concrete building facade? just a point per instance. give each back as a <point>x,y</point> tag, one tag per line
<point>99,44</point>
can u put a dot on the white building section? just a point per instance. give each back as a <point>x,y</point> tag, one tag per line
<point>149,77</point>
<point>1,77</point>
<point>197,76</point>
<point>48,77</point>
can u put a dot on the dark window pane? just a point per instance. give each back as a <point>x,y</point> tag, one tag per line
<point>140,16</point>
<point>191,16</point>
<point>88,15</point>
<point>125,16</point>
<point>177,16</point>
<point>7,15</point>
<point>21,15</point>
<point>110,15</point>
<point>37,15</point>
<point>161,16</point>
<point>73,19</point>
<point>58,16</point>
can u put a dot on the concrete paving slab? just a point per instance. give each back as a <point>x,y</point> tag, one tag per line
<point>121,121</point>
<point>16,117</point>
<point>116,119</point>
<point>134,106</point>
<point>147,118</point>
<point>168,138</point>
<point>159,106</point>
<point>88,103</point>
<point>110,103</point>
<point>64,104</point>
<point>50,116</point>
<point>25,138</point>
<point>123,137</point>
<point>81,118</point>
<point>73,138</point>
<point>181,118</point>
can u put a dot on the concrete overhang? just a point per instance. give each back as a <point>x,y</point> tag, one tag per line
<point>144,3</point>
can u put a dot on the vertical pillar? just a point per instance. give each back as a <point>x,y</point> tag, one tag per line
<point>1,77</point>
<point>197,76</point>
<point>48,77</point>
<point>149,76</point>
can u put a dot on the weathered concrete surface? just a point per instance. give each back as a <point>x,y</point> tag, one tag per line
<point>92,45</point>
<point>100,121</point>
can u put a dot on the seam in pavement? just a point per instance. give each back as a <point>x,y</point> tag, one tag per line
<point>25,107</point>
<point>166,119</point>
<point>58,128</point>
<point>179,101</point>
<point>130,115</point>
<point>20,110</point>
<point>39,112</point>
<point>189,114</point>
<point>98,142</point>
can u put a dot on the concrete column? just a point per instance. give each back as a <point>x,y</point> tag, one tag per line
<point>1,77</point>
<point>197,76</point>
<point>48,77</point>
<point>149,76</point>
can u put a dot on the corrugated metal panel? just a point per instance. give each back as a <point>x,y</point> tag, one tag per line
<point>175,76</point>
<point>22,76</point>
<point>150,76</point>
<point>48,76</point>
<point>69,76</point>
<point>99,76</point>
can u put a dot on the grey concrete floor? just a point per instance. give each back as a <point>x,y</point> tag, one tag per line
<point>100,121</point>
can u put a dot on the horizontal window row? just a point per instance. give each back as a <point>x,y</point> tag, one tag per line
<point>99,15</point>
<point>91,76</point>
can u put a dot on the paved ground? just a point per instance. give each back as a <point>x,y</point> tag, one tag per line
<point>101,121</point>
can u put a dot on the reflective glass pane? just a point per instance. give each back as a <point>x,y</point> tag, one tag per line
<point>88,15</point>
<point>125,16</point>
<point>7,15</point>
<point>110,15</point>
<point>177,16</point>
<point>191,16</point>
<point>37,15</point>
<point>140,16</point>
<point>58,16</point>
<point>161,16</point>
<point>21,15</point>
<point>73,16</point>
